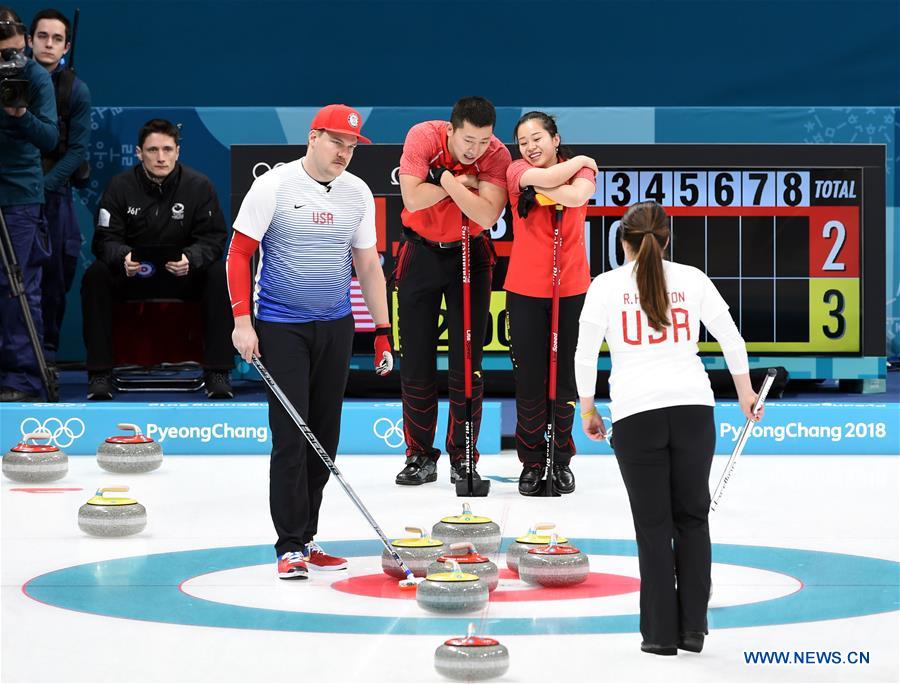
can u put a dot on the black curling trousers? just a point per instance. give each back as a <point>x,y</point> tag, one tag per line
<point>424,274</point>
<point>310,362</point>
<point>529,344</point>
<point>665,456</point>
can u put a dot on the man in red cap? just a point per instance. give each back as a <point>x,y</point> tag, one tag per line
<point>310,220</point>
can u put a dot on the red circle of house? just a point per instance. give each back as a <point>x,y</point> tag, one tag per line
<point>597,585</point>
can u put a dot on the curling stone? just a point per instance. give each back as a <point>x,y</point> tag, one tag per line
<point>529,541</point>
<point>452,592</point>
<point>483,532</point>
<point>471,658</point>
<point>471,561</point>
<point>554,565</point>
<point>35,462</point>
<point>108,516</point>
<point>417,552</point>
<point>134,453</point>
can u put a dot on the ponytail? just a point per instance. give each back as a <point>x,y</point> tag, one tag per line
<point>645,227</point>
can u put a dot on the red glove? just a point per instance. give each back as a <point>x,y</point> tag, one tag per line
<point>384,357</point>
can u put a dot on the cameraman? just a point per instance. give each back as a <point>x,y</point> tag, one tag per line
<point>27,128</point>
<point>65,166</point>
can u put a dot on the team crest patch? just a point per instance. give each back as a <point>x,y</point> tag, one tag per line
<point>177,211</point>
<point>353,120</point>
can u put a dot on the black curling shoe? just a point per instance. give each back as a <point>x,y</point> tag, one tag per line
<point>656,649</point>
<point>563,479</point>
<point>691,641</point>
<point>458,471</point>
<point>419,470</point>
<point>530,479</point>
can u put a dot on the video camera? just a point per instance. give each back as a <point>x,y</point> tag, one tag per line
<point>13,90</point>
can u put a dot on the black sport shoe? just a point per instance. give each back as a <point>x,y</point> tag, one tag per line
<point>100,386</point>
<point>419,470</point>
<point>218,385</point>
<point>563,479</point>
<point>530,479</point>
<point>458,471</point>
<point>691,641</point>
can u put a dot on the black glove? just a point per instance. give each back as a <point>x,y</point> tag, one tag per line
<point>527,200</point>
<point>434,175</point>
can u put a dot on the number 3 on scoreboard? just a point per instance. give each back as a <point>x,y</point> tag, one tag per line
<point>834,314</point>
<point>835,298</point>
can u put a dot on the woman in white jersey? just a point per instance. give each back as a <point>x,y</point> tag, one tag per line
<point>649,311</point>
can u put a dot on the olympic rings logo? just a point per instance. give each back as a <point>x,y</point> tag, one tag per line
<point>62,434</point>
<point>389,431</point>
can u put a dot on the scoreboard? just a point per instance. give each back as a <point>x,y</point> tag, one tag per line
<point>793,236</point>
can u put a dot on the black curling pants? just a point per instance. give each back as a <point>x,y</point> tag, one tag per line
<point>665,457</point>
<point>310,362</point>
<point>529,344</point>
<point>425,274</point>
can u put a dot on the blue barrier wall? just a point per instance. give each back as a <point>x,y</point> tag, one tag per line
<point>205,429</point>
<point>209,132</point>
<point>430,52</point>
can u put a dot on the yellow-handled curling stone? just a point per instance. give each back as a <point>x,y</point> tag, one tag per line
<point>483,532</point>
<point>452,592</point>
<point>108,516</point>
<point>529,541</point>
<point>471,658</point>
<point>35,462</point>
<point>554,565</point>
<point>134,453</point>
<point>469,561</point>
<point>417,552</point>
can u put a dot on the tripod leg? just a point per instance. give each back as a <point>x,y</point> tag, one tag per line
<point>17,289</point>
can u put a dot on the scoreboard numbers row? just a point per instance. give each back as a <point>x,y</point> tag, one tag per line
<point>726,188</point>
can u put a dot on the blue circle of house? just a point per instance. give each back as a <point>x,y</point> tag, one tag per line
<point>148,588</point>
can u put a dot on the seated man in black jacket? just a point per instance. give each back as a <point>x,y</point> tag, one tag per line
<point>159,207</point>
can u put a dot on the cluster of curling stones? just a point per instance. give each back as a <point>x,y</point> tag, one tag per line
<point>547,560</point>
<point>471,658</point>
<point>101,516</point>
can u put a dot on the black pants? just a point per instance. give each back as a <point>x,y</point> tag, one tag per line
<point>665,456</point>
<point>101,288</point>
<point>424,274</point>
<point>310,362</point>
<point>528,319</point>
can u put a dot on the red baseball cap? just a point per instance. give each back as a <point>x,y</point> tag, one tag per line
<point>339,118</point>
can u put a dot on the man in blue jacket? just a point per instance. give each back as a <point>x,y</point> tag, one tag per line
<point>50,42</point>
<point>25,132</point>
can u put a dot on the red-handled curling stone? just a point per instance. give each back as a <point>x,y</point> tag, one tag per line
<point>529,541</point>
<point>469,561</point>
<point>417,552</point>
<point>554,565</point>
<point>471,658</point>
<point>35,462</point>
<point>134,453</point>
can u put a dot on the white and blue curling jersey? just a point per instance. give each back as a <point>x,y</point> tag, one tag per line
<point>306,231</point>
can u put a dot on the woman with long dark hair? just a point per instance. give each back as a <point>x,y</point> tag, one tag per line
<point>569,182</point>
<point>649,311</point>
